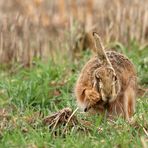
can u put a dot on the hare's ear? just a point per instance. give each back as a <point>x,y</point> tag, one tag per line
<point>100,49</point>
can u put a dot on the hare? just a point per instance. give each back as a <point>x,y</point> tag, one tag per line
<point>108,81</point>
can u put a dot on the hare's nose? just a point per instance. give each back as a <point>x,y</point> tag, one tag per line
<point>106,105</point>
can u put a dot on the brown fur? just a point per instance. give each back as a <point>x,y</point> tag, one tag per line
<point>123,103</point>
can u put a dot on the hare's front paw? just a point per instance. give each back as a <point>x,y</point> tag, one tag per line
<point>92,97</point>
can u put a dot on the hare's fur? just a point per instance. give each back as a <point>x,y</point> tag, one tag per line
<point>124,100</point>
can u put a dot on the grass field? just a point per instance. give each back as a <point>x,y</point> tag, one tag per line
<point>28,95</point>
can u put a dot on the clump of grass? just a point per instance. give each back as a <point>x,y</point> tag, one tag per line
<point>63,118</point>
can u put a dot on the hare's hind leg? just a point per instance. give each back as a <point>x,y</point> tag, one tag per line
<point>129,101</point>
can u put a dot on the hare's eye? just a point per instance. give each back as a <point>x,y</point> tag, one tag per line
<point>115,77</point>
<point>98,78</point>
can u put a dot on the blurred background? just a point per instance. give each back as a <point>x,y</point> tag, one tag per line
<point>41,28</point>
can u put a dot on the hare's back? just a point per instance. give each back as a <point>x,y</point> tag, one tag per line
<point>121,63</point>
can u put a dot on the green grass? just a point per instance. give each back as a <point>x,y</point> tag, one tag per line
<point>28,94</point>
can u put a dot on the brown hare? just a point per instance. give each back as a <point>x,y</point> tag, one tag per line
<point>108,81</point>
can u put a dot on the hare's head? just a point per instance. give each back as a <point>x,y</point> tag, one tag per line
<point>106,81</point>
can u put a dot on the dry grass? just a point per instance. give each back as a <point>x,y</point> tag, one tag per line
<point>64,118</point>
<point>40,28</point>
